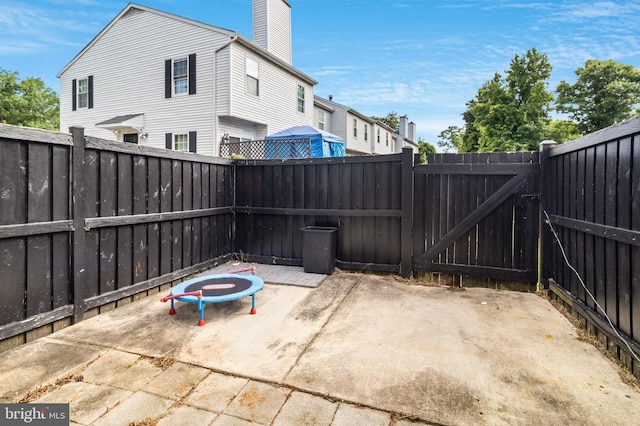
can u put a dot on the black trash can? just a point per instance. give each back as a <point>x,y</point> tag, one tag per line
<point>319,249</point>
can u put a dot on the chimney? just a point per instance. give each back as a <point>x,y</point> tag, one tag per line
<point>272,27</point>
<point>412,131</point>
<point>403,127</point>
<point>331,97</point>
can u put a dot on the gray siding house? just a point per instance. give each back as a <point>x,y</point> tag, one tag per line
<point>363,135</point>
<point>158,79</point>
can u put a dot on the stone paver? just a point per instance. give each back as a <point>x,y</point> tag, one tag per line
<point>177,381</point>
<point>215,392</point>
<point>187,416</point>
<point>135,376</point>
<point>112,362</point>
<point>305,409</point>
<point>40,363</point>
<point>348,415</point>
<point>225,420</point>
<point>258,402</point>
<point>137,408</point>
<point>87,401</point>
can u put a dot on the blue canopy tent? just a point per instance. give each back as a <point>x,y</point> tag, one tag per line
<point>294,143</point>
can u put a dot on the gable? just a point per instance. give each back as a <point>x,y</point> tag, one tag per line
<point>133,10</point>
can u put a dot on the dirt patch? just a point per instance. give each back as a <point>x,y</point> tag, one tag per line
<point>252,397</point>
<point>43,390</point>
<point>161,362</point>
<point>145,422</point>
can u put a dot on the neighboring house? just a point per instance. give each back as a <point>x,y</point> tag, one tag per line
<point>158,79</point>
<point>362,135</point>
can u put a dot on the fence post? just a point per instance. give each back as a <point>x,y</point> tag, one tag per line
<point>406,224</point>
<point>545,240</point>
<point>78,216</point>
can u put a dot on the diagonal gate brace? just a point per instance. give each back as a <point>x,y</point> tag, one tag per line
<point>483,210</point>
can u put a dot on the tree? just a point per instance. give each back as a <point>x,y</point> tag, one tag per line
<point>390,120</point>
<point>511,113</point>
<point>604,93</point>
<point>562,131</point>
<point>425,148</point>
<point>451,139</point>
<point>28,102</point>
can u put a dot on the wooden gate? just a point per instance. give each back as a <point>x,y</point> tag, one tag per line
<point>476,214</point>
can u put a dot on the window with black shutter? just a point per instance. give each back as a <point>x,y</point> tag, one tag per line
<point>82,93</point>
<point>180,76</point>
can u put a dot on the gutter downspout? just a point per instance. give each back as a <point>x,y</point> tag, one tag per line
<point>216,147</point>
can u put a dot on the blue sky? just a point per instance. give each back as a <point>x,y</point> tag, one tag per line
<point>422,58</point>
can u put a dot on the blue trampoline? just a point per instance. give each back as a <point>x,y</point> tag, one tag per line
<point>216,289</point>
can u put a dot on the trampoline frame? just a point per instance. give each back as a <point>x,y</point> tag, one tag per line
<point>178,292</point>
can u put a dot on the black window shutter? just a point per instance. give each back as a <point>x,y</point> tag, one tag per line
<point>192,141</point>
<point>168,140</point>
<point>192,74</point>
<point>73,95</point>
<point>90,91</point>
<point>167,78</point>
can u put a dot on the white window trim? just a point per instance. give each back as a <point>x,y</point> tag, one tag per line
<point>250,72</point>
<point>184,77</point>
<point>301,98</point>
<point>321,119</point>
<point>83,95</point>
<point>177,136</point>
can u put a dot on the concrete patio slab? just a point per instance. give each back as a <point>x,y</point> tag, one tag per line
<point>473,356</point>
<point>358,348</point>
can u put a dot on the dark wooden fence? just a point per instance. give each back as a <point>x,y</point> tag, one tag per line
<point>476,214</point>
<point>362,196</point>
<point>85,223</point>
<point>592,197</point>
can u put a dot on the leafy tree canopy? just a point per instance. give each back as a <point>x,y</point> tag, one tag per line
<point>392,120</point>
<point>28,102</point>
<point>451,139</point>
<point>510,113</point>
<point>605,93</point>
<point>425,148</point>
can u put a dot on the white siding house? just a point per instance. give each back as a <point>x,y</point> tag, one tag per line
<point>362,134</point>
<point>162,80</point>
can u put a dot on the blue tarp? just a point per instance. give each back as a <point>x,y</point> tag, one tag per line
<point>323,144</point>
